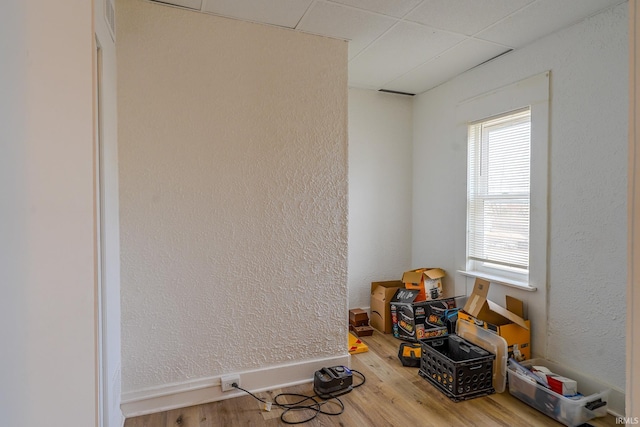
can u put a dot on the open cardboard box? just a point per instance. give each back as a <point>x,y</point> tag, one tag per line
<point>507,322</point>
<point>381,295</point>
<point>426,280</point>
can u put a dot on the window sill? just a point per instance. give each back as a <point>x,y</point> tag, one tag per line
<point>500,280</point>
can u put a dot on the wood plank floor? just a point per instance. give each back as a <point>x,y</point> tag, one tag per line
<point>392,395</point>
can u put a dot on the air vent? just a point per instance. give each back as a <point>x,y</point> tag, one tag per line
<point>396,92</point>
<point>189,4</point>
<point>110,17</point>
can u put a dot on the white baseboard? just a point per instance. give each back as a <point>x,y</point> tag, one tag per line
<point>205,390</point>
<point>616,403</point>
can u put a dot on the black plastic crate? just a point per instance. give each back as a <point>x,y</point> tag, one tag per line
<point>458,368</point>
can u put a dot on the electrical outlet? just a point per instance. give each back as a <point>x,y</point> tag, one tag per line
<point>226,382</point>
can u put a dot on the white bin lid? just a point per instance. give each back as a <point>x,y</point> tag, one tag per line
<point>490,342</point>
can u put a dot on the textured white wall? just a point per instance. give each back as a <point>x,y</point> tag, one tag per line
<point>380,141</point>
<point>233,185</point>
<point>584,324</point>
<point>47,274</point>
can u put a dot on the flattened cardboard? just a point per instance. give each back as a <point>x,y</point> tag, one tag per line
<point>515,306</point>
<point>481,308</point>
<point>381,295</point>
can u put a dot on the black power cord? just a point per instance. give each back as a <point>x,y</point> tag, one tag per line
<point>316,403</point>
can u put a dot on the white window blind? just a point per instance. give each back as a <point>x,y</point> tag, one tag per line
<point>499,192</point>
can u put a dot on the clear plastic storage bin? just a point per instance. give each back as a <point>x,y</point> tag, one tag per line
<point>569,411</point>
<point>494,344</point>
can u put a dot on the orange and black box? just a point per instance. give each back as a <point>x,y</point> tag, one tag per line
<point>413,321</point>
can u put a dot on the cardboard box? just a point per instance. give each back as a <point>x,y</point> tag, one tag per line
<point>562,385</point>
<point>381,295</point>
<point>426,280</point>
<point>413,321</point>
<point>559,384</point>
<point>506,322</point>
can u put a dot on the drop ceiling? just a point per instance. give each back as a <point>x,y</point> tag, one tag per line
<point>411,46</point>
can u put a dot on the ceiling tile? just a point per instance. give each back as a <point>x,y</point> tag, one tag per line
<point>464,16</point>
<point>284,13</point>
<point>412,45</point>
<point>396,8</point>
<point>453,62</point>
<point>402,48</point>
<point>542,18</point>
<point>357,26</point>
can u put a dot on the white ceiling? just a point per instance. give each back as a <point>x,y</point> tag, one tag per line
<point>411,46</point>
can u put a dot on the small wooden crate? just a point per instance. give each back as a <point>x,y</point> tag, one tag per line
<point>358,317</point>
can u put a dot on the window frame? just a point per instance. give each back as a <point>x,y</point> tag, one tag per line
<point>533,93</point>
<point>478,189</point>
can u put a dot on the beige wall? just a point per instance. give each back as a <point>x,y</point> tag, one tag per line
<point>47,274</point>
<point>233,196</point>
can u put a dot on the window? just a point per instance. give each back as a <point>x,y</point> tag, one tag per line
<point>507,135</point>
<point>498,204</point>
